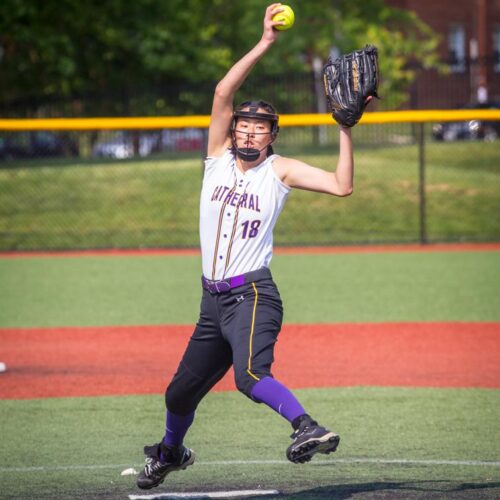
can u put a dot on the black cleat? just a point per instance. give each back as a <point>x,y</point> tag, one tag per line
<point>155,471</point>
<point>309,439</point>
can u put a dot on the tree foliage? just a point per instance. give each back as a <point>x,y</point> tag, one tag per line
<point>68,48</point>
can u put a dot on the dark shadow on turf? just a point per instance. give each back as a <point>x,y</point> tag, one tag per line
<point>404,489</point>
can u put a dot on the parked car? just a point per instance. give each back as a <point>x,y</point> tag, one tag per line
<point>121,145</point>
<point>469,130</point>
<point>37,144</point>
<point>187,139</point>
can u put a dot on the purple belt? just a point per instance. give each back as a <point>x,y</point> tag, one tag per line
<point>227,284</point>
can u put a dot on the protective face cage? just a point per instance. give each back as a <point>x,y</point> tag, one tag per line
<point>251,154</point>
<point>252,112</point>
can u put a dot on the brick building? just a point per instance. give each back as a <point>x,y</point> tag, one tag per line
<point>470,46</point>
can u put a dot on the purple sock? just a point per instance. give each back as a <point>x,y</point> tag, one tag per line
<point>278,397</point>
<point>176,428</point>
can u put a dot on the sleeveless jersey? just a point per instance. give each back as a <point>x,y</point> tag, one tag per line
<point>237,216</point>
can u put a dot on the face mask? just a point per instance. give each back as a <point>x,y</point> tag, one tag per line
<point>252,154</point>
<point>248,154</point>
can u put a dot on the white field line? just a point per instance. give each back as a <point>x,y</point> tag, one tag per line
<point>211,494</point>
<point>342,461</point>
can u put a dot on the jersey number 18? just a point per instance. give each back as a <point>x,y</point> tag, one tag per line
<point>250,229</point>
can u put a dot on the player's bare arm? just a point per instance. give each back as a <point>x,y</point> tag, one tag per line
<point>222,106</point>
<point>297,174</point>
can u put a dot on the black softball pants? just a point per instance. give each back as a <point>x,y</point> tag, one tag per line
<point>238,328</point>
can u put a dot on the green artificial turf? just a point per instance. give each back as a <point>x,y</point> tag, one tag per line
<point>379,287</point>
<point>402,443</point>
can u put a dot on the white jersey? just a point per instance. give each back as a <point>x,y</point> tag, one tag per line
<point>237,216</point>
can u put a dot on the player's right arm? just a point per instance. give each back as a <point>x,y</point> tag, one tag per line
<point>222,106</point>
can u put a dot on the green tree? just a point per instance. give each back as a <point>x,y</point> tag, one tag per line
<point>61,49</point>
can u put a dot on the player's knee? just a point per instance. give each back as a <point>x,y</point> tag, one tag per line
<point>245,382</point>
<point>177,401</point>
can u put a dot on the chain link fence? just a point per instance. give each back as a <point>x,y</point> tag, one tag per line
<point>140,189</point>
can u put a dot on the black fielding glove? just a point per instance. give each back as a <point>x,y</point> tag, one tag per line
<point>349,81</point>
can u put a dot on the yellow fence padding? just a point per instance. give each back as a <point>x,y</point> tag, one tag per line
<point>202,121</point>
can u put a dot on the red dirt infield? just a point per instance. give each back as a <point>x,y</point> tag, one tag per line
<point>302,250</point>
<point>98,361</point>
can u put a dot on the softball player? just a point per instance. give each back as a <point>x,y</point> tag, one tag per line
<point>245,187</point>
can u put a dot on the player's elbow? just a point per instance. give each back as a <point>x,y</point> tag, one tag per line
<point>342,191</point>
<point>222,91</point>
<point>347,191</point>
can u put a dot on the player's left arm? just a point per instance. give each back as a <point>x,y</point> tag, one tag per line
<point>297,174</point>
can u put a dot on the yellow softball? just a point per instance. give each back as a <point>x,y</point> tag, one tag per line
<point>287,16</point>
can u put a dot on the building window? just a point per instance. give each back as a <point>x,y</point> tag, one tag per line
<point>496,48</point>
<point>456,47</point>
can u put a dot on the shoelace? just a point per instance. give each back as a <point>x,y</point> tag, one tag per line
<point>152,466</point>
<point>298,432</point>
